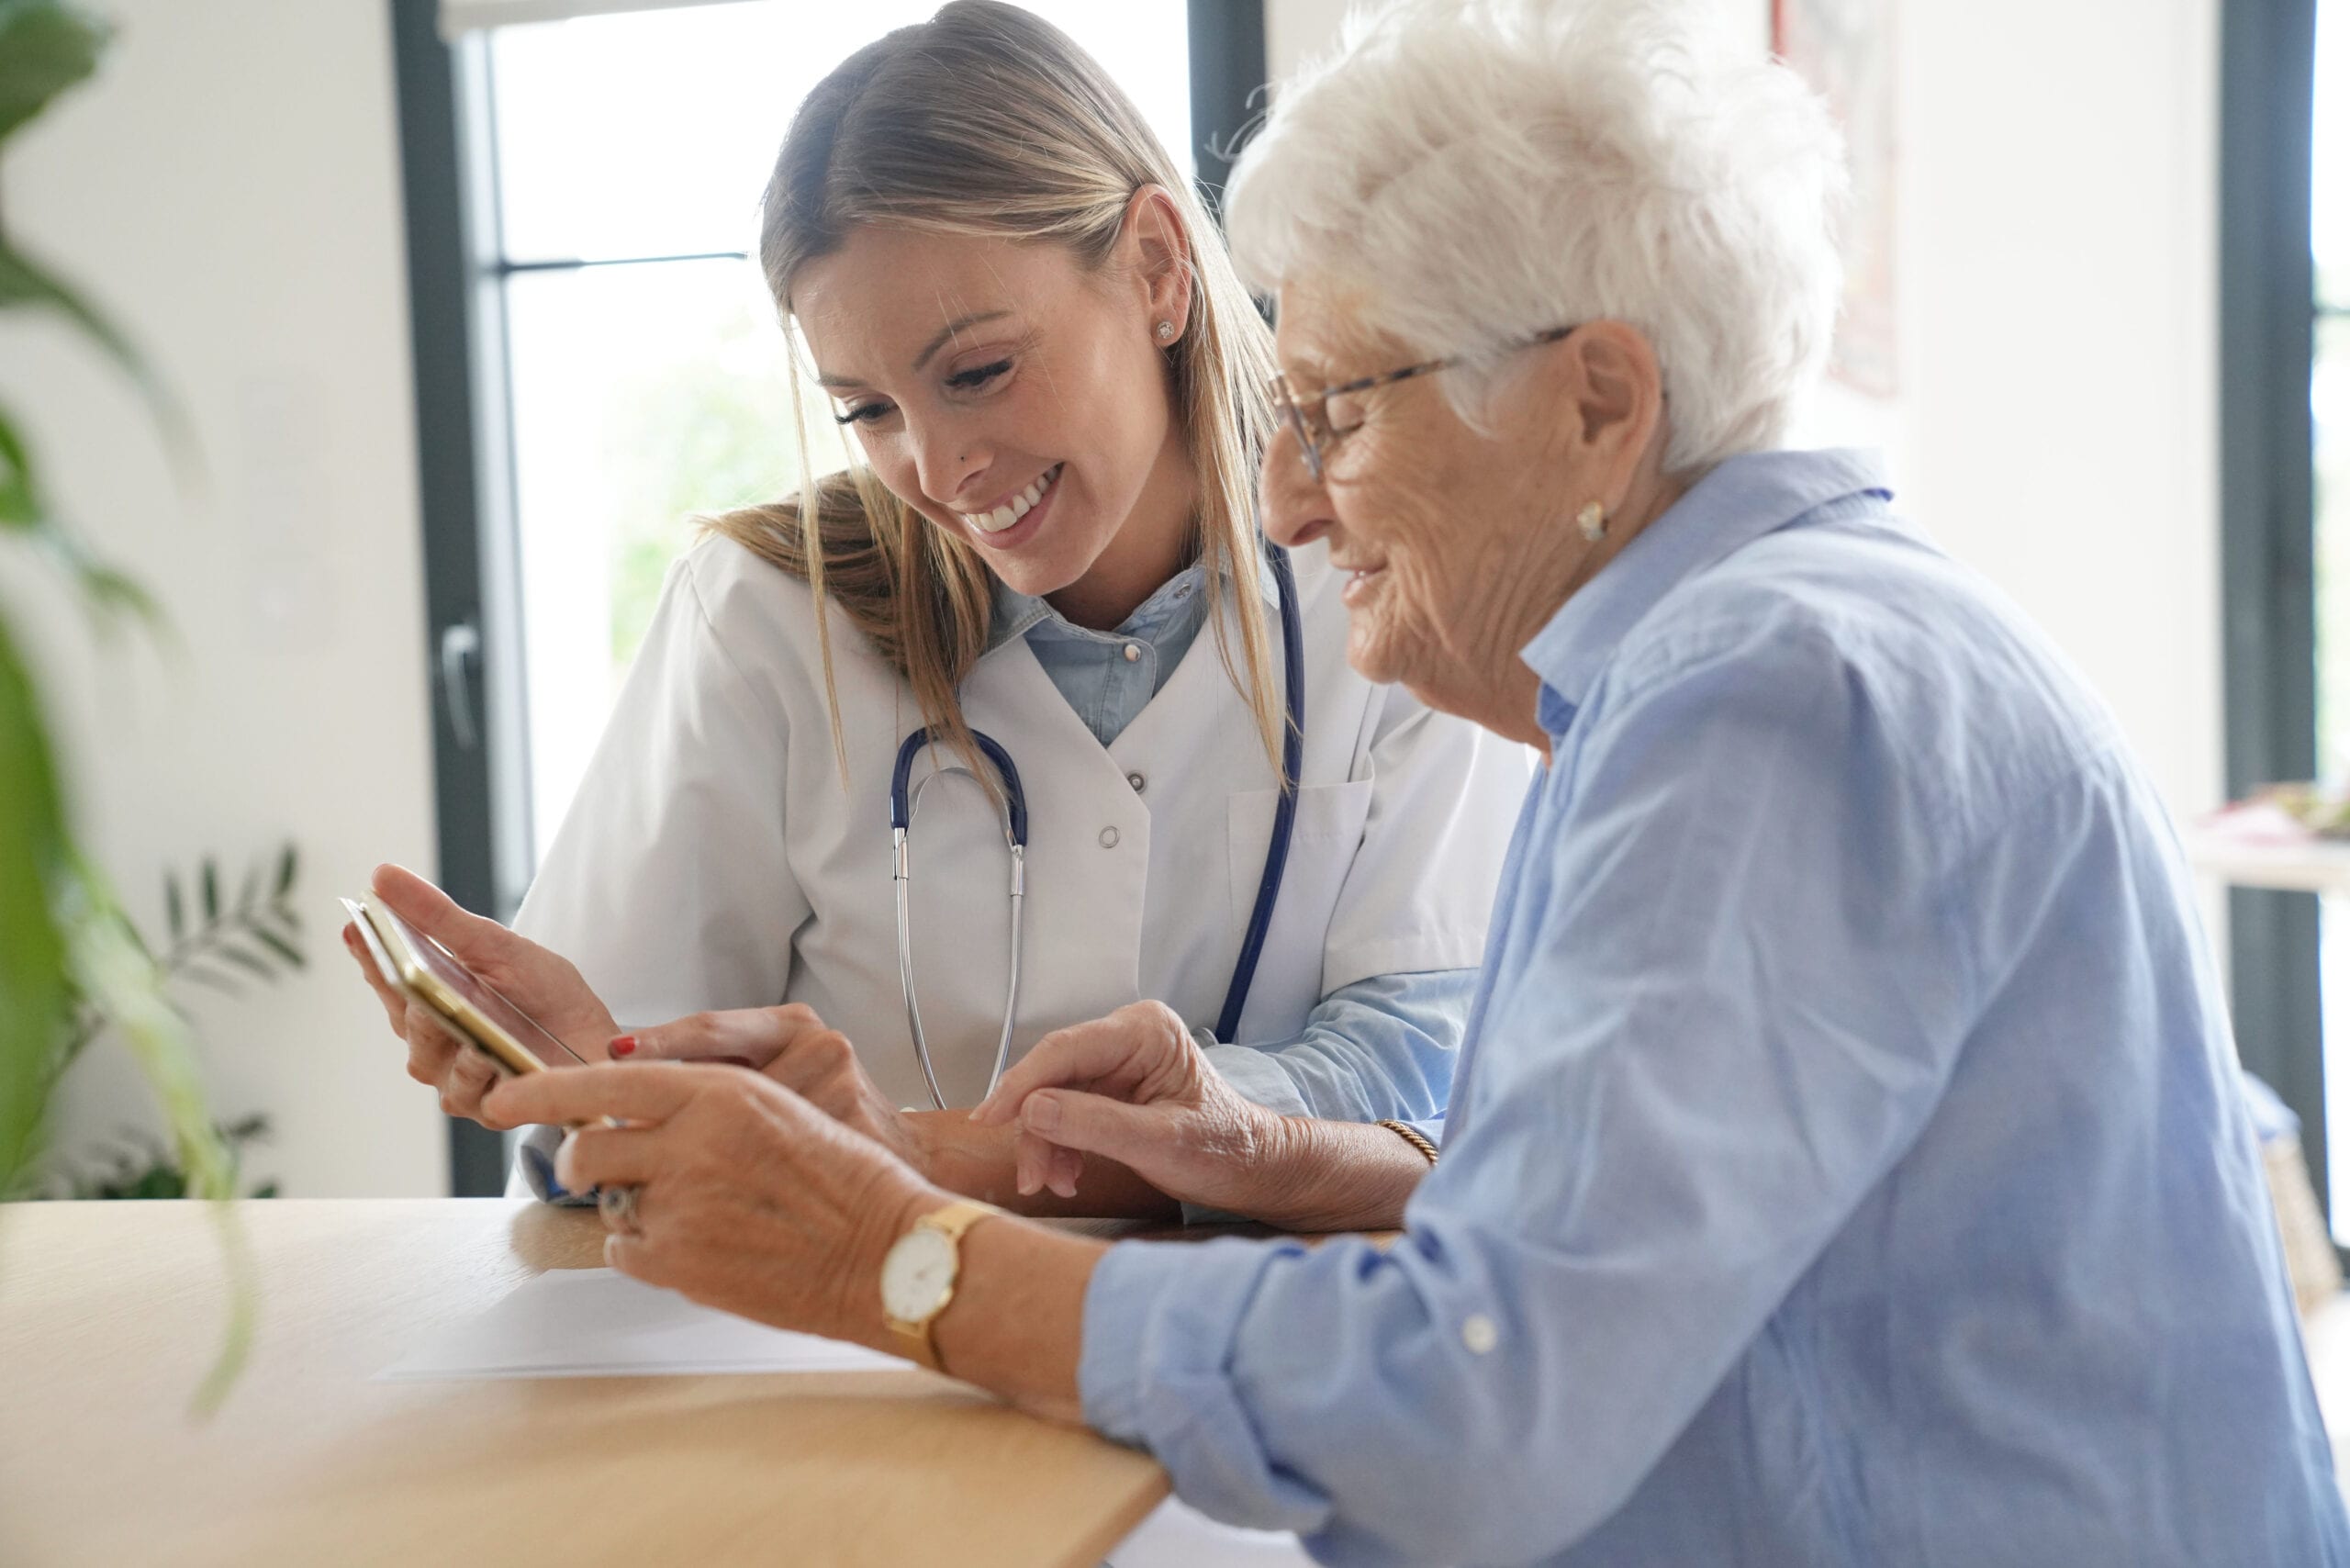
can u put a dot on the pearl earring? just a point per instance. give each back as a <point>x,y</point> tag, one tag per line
<point>1592,520</point>
<point>1167,331</point>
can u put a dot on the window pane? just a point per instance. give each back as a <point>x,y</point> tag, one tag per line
<point>651,133</point>
<point>642,396</point>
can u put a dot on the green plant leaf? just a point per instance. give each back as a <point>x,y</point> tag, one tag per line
<point>24,283</point>
<point>175,913</point>
<point>278,944</point>
<point>24,511</point>
<point>289,863</point>
<point>107,967</point>
<point>21,505</point>
<point>208,883</point>
<point>211,979</point>
<point>45,48</point>
<point>35,985</point>
<point>245,961</point>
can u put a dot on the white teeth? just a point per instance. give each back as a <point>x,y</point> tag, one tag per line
<point>1018,507</point>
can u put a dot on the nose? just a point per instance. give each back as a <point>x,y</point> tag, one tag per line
<point>1293,505</point>
<point>946,455</point>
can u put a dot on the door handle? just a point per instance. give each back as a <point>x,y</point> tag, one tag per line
<point>460,658</point>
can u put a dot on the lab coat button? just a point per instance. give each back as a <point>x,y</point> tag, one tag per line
<point>1109,838</point>
<point>1136,780</point>
<point>1133,652</point>
<point>1479,1334</point>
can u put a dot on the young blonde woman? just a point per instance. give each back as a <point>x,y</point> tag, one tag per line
<point>1046,555</point>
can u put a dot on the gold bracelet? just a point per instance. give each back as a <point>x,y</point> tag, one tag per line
<point>1413,1136</point>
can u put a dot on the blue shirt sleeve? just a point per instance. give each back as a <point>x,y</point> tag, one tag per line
<point>535,1154</point>
<point>1378,1048</point>
<point>1710,1032</point>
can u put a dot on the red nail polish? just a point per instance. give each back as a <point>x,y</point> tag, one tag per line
<point>625,1046</point>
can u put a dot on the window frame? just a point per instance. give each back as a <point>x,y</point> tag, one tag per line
<point>2267,459</point>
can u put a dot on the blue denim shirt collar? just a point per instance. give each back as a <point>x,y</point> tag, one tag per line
<point>1737,501</point>
<point>1017,614</point>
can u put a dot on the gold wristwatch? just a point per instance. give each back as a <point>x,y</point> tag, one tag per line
<point>919,1274</point>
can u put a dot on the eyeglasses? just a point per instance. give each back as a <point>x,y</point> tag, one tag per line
<point>1321,419</point>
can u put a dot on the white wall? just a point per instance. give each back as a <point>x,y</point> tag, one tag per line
<point>2059,254</point>
<point>230,188</point>
<point>2057,423</point>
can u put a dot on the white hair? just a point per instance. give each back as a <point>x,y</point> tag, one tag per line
<point>1478,171</point>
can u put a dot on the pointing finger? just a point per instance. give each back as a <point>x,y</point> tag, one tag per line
<point>652,1091</point>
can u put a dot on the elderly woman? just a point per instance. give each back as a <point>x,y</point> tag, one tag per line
<point>1845,1165</point>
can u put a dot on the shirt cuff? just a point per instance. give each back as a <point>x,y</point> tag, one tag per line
<point>1161,1322</point>
<point>534,1170</point>
<point>1257,1075</point>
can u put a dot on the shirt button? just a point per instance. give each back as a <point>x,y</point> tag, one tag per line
<point>1109,838</point>
<point>1479,1334</point>
<point>1136,780</point>
<point>1133,652</point>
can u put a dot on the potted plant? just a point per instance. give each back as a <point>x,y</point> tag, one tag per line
<point>66,950</point>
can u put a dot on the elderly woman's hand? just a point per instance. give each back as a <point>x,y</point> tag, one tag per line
<point>790,1045</point>
<point>1135,1087</point>
<point>749,1199</point>
<point>540,983</point>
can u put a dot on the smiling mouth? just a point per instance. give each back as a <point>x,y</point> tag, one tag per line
<point>1018,507</point>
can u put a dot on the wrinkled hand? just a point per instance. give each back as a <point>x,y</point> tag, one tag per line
<point>749,1199</point>
<point>541,983</point>
<point>792,1046</point>
<point>1134,1087</point>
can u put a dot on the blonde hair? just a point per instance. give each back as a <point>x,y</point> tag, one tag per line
<point>988,120</point>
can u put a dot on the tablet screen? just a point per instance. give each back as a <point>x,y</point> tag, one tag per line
<point>485,999</point>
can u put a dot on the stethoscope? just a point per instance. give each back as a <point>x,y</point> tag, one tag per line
<point>1014,812</point>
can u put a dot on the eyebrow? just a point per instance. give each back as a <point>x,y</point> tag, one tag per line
<point>946,333</point>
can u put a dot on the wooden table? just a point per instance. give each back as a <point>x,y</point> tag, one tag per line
<point>110,1312</point>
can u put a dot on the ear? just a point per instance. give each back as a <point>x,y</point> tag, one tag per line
<point>1607,376</point>
<point>1159,249</point>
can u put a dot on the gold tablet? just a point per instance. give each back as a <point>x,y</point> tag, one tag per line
<point>428,973</point>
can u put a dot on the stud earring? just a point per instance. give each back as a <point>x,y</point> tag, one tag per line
<point>1167,331</point>
<point>1592,520</point>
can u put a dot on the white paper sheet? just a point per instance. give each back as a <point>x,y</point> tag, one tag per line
<point>601,1323</point>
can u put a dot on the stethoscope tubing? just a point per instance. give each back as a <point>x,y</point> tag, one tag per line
<point>1269,881</point>
<point>1013,807</point>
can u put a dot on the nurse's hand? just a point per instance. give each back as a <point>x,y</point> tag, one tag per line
<point>790,1045</point>
<point>540,983</point>
<point>749,1199</point>
<point>1135,1087</point>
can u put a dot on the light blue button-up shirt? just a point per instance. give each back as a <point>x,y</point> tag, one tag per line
<point>1846,1165</point>
<point>1383,1047</point>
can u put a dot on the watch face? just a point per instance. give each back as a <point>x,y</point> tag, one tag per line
<point>917,1275</point>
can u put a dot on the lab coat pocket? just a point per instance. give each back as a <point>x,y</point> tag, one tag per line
<point>1330,819</point>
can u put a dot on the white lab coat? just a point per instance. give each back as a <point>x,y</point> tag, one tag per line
<point>713,857</point>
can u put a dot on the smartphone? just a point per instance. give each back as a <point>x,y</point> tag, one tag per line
<point>426,972</point>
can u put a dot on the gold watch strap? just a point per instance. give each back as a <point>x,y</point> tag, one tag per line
<point>950,1221</point>
<point>957,1217</point>
<point>1413,1136</point>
